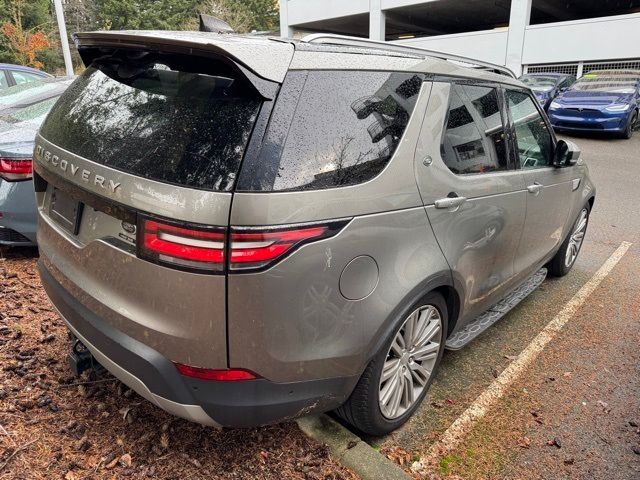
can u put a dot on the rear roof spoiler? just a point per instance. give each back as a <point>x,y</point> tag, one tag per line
<point>266,58</point>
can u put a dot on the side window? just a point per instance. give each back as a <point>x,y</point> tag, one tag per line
<point>332,129</point>
<point>474,140</point>
<point>3,80</point>
<point>535,144</point>
<point>24,77</point>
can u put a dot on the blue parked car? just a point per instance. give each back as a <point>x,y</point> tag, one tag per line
<point>22,111</point>
<point>547,86</point>
<point>11,75</point>
<point>604,101</point>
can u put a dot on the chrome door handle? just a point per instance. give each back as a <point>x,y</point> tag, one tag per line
<point>450,202</point>
<point>534,188</point>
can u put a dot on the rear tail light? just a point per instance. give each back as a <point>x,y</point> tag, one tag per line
<point>16,169</point>
<point>186,247</point>
<point>257,248</point>
<point>220,375</point>
<point>211,249</point>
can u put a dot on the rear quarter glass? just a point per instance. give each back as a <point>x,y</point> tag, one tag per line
<point>175,119</point>
<point>332,129</point>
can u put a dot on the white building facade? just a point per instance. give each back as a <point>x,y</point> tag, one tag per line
<point>568,36</point>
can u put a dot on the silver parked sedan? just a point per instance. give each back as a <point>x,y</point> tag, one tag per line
<point>23,108</point>
<point>245,230</point>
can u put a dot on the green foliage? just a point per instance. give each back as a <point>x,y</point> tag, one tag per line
<point>243,15</point>
<point>264,13</point>
<point>5,55</point>
<point>35,16</point>
<point>143,14</point>
<point>85,15</point>
<point>35,13</point>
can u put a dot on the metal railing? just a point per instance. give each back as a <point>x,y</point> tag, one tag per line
<point>332,39</point>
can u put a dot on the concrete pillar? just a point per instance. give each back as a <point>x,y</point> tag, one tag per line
<point>285,30</point>
<point>64,39</point>
<point>376,21</point>
<point>518,22</point>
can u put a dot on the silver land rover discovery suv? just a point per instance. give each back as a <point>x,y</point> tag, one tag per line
<point>246,230</point>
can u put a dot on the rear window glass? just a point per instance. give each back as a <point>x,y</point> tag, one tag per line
<point>332,129</point>
<point>19,94</point>
<point>24,77</point>
<point>35,113</point>
<point>539,83</point>
<point>159,117</point>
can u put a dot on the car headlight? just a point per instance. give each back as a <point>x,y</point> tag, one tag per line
<point>618,107</point>
<point>554,105</point>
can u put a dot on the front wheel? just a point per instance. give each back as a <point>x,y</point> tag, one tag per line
<point>628,132</point>
<point>566,256</point>
<point>397,379</point>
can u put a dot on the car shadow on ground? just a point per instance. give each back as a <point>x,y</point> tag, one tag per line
<point>591,135</point>
<point>17,253</point>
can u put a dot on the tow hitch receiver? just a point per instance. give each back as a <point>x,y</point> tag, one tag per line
<point>80,358</point>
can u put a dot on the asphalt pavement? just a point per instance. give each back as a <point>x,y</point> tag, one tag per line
<point>574,411</point>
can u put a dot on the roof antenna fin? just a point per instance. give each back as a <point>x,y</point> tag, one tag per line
<point>213,24</point>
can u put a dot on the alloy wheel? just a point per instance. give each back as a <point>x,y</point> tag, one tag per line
<point>410,361</point>
<point>576,238</point>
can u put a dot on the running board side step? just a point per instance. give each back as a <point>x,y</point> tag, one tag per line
<point>495,313</point>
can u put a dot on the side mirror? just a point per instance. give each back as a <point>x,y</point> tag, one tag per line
<point>566,154</point>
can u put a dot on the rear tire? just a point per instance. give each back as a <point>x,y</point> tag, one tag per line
<point>405,385</point>
<point>565,258</point>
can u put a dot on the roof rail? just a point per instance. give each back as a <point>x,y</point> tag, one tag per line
<point>332,39</point>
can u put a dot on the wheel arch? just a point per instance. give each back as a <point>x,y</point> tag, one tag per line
<point>452,298</point>
<point>441,283</point>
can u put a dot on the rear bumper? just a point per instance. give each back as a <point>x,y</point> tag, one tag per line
<point>19,213</point>
<point>10,237</point>
<point>154,377</point>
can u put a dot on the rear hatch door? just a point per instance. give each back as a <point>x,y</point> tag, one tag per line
<point>134,169</point>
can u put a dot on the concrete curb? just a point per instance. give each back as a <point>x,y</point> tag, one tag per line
<point>350,451</point>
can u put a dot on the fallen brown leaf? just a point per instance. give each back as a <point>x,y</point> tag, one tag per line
<point>125,460</point>
<point>524,442</point>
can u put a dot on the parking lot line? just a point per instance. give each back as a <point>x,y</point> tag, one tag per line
<point>458,430</point>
